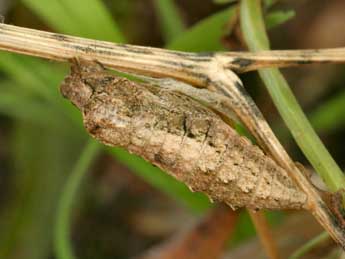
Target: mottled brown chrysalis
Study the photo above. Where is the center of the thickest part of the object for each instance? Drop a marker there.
(181, 136)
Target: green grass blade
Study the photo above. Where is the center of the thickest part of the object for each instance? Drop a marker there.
(169, 19)
(286, 103)
(205, 35)
(62, 230)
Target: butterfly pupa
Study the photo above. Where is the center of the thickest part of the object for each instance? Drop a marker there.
(181, 136)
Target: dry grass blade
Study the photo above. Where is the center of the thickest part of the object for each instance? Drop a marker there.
(248, 61)
(141, 60)
(188, 67)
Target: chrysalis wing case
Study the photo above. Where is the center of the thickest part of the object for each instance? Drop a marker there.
(181, 136)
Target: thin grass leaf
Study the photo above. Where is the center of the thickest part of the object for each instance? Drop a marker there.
(213, 27)
(255, 35)
(62, 231)
(170, 19)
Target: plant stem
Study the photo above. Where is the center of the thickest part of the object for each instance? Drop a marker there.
(286, 103)
(153, 61)
(62, 243)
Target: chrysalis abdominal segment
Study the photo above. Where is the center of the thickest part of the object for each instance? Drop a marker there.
(181, 136)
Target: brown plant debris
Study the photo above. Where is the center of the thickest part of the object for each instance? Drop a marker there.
(205, 239)
(180, 136)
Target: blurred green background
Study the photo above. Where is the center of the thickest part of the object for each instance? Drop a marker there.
(54, 178)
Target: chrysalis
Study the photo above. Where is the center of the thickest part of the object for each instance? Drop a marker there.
(181, 136)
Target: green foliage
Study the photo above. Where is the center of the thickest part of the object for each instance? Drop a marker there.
(276, 18)
(48, 142)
